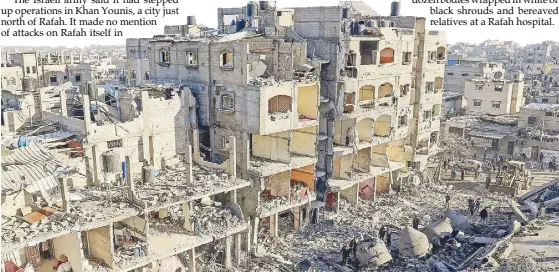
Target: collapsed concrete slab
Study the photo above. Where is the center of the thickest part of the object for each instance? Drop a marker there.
(435, 229)
(514, 205)
(373, 252)
(412, 243)
(457, 220)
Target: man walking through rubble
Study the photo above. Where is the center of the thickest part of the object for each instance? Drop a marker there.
(471, 206)
(447, 201)
(478, 204)
(345, 255)
(483, 214)
(382, 233)
(415, 222)
(353, 245)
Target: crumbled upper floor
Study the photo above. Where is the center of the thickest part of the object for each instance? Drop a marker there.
(171, 186)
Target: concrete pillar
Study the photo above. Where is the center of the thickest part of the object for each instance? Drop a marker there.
(297, 215)
(247, 239)
(255, 232)
(245, 159)
(87, 114)
(232, 156)
(237, 249)
(233, 196)
(227, 261)
(65, 194)
(63, 105)
(191, 260)
(274, 225)
(196, 144)
(189, 164)
(95, 163)
(129, 179)
(146, 148)
(186, 213)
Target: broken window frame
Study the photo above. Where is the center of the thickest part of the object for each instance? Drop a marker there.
(223, 56)
(368, 51)
(224, 142)
(78, 77)
(227, 102)
(192, 59)
(406, 58)
(477, 103)
(496, 104)
(402, 121)
(133, 74)
(479, 87)
(404, 90)
(115, 143)
(430, 87)
(499, 88)
(351, 59)
(165, 56)
(51, 79)
(532, 120)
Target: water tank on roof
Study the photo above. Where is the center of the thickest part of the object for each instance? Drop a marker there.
(91, 90)
(27, 84)
(111, 162)
(191, 20)
(395, 8)
(249, 9)
(240, 25)
(345, 13)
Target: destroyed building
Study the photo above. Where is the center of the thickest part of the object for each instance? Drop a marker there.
(285, 111)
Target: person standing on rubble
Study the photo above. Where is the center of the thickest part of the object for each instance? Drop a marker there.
(447, 201)
(471, 206)
(478, 204)
(345, 254)
(453, 174)
(382, 233)
(415, 222)
(483, 214)
(353, 244)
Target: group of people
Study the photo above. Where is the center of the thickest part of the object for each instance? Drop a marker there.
(346, 250)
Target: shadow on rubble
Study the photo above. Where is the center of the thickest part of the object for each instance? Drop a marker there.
(540, 243)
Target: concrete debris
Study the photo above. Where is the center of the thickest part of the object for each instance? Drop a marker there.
(436, 229)
(458, 221)
(522, 264)
(374, 252)
(412, 243)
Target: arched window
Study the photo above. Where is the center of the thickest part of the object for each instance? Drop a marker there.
(387, 55)
(279, 104)
(366, 93)
(385, 90)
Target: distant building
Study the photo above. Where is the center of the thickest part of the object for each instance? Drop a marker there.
(493, 96)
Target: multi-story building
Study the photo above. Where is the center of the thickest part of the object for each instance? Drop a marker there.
(285, 112)
(460, 69)
(137, 63)
(535, 58)
(496, 97)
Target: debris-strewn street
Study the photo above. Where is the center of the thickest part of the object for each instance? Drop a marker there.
(320, 244)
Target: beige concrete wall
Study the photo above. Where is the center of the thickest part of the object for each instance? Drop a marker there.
(304, 141)
(69, 245)
(342, 166)
(307, 101)
(100, 244)
(274, 147)
(487, 95)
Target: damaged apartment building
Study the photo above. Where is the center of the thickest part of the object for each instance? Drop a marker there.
(284, 112)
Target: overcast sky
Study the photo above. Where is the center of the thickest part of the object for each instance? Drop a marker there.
(206, 13)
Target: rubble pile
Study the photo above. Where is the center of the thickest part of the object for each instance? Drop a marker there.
(321, 243)
(521, 264)
(127, 254)
(112, 205)
(16, 229)
(171, 184)
(269, 204)
(214, 221)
